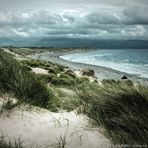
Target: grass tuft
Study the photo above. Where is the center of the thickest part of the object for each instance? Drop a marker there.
(120, 108)
(9, 144)
(16, 78)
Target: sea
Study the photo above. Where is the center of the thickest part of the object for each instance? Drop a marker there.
(132, 61)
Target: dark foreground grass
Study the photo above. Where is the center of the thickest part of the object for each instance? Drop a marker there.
(9, 144)
(16, 78)
(120, 108)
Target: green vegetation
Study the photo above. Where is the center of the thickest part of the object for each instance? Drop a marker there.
(67, 99)
(9, 144)
(38, 89)
(120, 108)
(7, 106)
(16, 78)
(54, 80)
(62, 81)
(25, 51)
(53, 68)
(35, 63)
(58, 75)
(45, 78)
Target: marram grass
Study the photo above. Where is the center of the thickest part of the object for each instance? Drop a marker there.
(16, 78)
(120, 108)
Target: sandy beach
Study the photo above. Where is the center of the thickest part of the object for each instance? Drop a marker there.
(100, 72)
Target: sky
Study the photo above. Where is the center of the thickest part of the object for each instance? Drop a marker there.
(91, 19)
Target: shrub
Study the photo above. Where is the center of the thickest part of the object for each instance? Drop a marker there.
(119, 108)
(70, 73)
(112, 82)
(60, 67)
(52, 70)
(62, 81)
(63, 75)
(15, 77)
(82, 80)
(32, 63)
(46, 78)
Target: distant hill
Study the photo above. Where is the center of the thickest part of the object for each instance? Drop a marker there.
(6, 41)
(75, 43)
(91, 43)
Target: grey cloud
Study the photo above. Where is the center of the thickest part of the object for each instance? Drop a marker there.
(129, 16)
(136, 15)
(103, 18)
(34, 4)
(97, 19)
(41, 17)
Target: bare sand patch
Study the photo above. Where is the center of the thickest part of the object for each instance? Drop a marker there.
(38, 70)
(47, 128)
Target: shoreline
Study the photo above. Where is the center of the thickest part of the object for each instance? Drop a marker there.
(100, 71)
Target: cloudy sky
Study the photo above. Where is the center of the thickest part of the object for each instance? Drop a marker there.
(99, 19)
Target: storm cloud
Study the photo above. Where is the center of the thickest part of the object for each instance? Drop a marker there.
(74, 19)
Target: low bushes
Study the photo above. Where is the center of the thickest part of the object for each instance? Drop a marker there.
(62, 81)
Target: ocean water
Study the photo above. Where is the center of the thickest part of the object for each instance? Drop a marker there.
(133, 61)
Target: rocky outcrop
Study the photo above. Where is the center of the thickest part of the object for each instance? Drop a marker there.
(124, 77)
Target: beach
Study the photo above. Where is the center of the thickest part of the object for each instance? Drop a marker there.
(73, 74)
(64, 101)
(100, 71)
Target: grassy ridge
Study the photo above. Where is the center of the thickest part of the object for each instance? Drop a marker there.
(120, 108)
(16, 78)
(57, 75)
(25, 51)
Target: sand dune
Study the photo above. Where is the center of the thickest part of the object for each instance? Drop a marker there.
(53, 129)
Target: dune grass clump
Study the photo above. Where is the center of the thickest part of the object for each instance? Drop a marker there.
(45, 78)
(16, 78)
(7, 106)
(25, 51)
(62, 81)
(34, 63)
(55, 80)
(9, 144)
(120, 108)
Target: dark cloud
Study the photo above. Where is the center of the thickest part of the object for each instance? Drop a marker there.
(103, 18)
(136, 15)
(86, 19)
